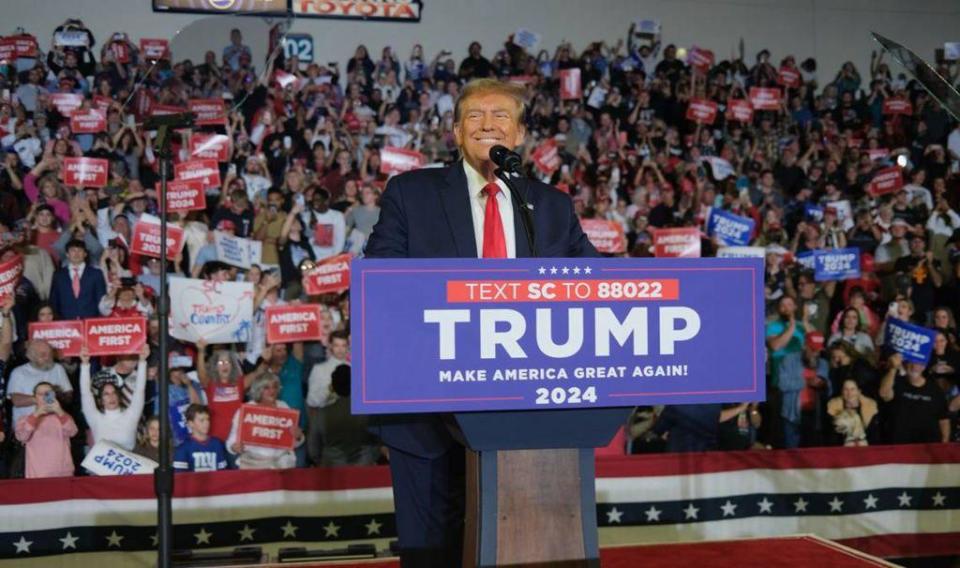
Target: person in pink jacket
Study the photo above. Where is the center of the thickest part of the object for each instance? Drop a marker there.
(46, 434)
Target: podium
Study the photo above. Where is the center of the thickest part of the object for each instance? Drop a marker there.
(530, 486)
(536, 363)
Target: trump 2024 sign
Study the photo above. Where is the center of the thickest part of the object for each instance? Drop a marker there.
(444, 335)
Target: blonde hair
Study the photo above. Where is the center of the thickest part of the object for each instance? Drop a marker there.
(479, 87)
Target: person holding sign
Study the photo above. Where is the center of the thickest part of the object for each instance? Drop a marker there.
(107, 414)
(264, 391)
(460, 211)
(919, 407)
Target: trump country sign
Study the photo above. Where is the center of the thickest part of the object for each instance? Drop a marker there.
(441, 335)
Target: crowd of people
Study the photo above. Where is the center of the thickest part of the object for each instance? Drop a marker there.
(304, 176)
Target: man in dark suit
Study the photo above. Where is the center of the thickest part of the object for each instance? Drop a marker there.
(77, 288)
(459, 211)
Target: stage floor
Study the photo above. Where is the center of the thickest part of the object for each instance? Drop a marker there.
(786, 552)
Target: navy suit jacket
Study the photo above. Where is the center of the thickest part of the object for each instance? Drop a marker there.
(92, 289)
(426, 214)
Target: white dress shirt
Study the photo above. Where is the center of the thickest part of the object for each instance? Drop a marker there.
(478, 209)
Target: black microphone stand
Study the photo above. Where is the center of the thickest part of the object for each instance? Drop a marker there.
(163, 475)
(526, 210)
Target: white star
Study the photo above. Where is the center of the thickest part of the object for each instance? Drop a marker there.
(587, 270)
(373, 527)
(203, 537)
(653, 514)
(246, 533)
(691, 512)
(576, 270)
(870, 502)
(566, 270)
(766, 506)
(904, 499)
(23, 545)
(836, 505)
(114, 539)
(729, 509)
(553, 270)
(542, 270)
(69, 541)
(289, 530)
(155, 539)
(613, 515)
(800, 506)
(939, 499)
(331, 530)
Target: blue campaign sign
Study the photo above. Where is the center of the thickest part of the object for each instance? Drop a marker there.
(730, 229)
(914, 342)
(813, 212)
(806, 259)
(442, 335)
(836, 264)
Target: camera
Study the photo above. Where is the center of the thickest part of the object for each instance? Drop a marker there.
(128, 282)
(49, 397)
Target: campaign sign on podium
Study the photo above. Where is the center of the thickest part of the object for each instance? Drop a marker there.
(461, 335)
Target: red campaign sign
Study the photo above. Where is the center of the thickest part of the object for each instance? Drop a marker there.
(114, 336)
(702, 111)
(210, 112)
(398, 160)
(677, 243)
(267, 426)
(146, 239)
(88, 122)
(897, 106)
(606, 236)
(878, 153)
(163, 110)
(8, 50)
(210, 147)
(154, 49)
(185, 195)
(85, 172)
(64, 336)
(206, 171)
(330, 275)
(10, 272)
(66, 103)
(546, 157)
(102, 103)
(739, 110)
(292, 323)
(887, 180)
(121, 51)
(570, 85)
(25, 45)
(765, 98)
(700, 59)
(789, 77)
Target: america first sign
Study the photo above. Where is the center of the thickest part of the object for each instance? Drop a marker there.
(472, 335)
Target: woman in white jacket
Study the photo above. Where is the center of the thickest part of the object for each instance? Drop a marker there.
(263, 392)
(107, 415)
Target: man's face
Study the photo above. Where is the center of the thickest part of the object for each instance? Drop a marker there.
(339, 348)
(275, 200)
(41, 356)
(76, 255)
(487, 120)
(200, 424)
(320, 202)
(917, 246)
(786, 308)
(279, 352)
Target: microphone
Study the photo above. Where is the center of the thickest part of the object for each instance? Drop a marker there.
(505, 159)
(179, 120)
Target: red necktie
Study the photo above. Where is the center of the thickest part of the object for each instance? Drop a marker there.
(494, 243)
(76, 282)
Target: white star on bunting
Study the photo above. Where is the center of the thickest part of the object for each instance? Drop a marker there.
(904, 499)
(114, 539)
(23, 545)
(542, 270)
(939, 499)
(870, 502)
(289, 530)
(800, 505)
(766, 506)
(373, 527)
(653, 514)
(553, 270)
(691, 512)
(576, 270)
(203, 537)
(729, 509)
(613, 515)
(246, 533)
(836, 505)
(587, 270)
(331, 530)
(69, 541)
(566, 270)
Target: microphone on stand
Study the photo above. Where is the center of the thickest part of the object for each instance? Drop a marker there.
(506, 159)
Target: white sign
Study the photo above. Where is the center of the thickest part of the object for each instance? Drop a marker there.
(71, 38)
(237, 251)
(220, 312)
(648, 27)
(107, 458)
(526, 38)
(951, 50)
(742, 252)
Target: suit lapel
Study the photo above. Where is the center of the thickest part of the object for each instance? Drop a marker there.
(523, 249)
(456, 206)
